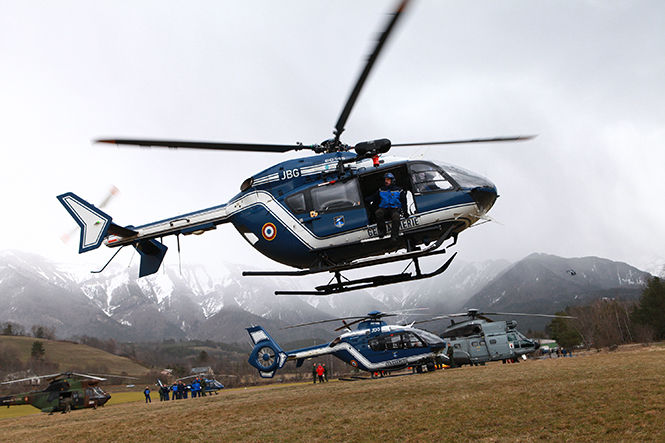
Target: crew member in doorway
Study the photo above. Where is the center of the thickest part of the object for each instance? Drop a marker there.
(391, 204)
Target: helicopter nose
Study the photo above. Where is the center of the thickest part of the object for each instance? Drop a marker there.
(484, 196)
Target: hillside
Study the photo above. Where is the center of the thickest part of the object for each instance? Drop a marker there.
(74, 357)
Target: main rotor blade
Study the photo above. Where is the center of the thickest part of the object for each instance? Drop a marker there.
(111, 375)
(206, 145)
(339, 127)
(521, 314)
(29, 378)
(471, 140)
(324, 321)
(88, 376)
(348, 325)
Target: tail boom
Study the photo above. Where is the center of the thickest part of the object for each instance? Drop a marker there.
(97, 228)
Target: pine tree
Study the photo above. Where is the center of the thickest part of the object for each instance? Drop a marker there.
(651, 309)
(37, 351)
(563, 332)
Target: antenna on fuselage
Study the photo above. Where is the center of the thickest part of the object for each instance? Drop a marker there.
(177, 238)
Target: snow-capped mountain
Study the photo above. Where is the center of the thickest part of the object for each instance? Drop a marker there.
(217, 304)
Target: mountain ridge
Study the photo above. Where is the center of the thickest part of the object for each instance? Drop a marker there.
(193, 304)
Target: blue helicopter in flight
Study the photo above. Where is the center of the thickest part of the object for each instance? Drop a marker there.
(374, 346)
(312, 213)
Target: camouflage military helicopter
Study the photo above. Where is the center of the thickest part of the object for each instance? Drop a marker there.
(479, 339)
(66, 391)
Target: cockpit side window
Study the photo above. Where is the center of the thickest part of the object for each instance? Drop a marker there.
(428, 178)
(336, 196)
(410, 340)
(297, 203)
(377, 344)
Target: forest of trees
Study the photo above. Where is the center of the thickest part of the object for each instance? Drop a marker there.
(608, 322)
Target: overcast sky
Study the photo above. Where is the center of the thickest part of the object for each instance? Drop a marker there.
(587, 76)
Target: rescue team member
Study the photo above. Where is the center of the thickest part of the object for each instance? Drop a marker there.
(449, 354)
(319, 372)
(391, 203)
(146, 392)
(314, 373)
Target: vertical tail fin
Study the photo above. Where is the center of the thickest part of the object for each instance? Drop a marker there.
(152, 254)
(266, 356)
(94, 223)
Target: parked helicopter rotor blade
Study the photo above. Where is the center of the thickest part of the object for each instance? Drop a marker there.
(88, 376)
(348, 325)
(324, 321)
(339, 126)
(358, 318)
(114, 376)
(522, 314)
(471, 140)
(30, 378)
(179, 144)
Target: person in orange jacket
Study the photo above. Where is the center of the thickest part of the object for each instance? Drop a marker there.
(319, 372)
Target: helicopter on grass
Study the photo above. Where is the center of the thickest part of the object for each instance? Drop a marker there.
(210, 386)
(311, 213)
(374, 346)
(478, 339)
(65, 391)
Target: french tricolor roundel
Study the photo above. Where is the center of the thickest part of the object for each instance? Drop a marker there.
(269, 231)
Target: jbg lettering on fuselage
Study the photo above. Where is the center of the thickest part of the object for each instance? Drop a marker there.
(406, 223)
(289, 174)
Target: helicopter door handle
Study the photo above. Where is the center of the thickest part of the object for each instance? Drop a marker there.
(173, 222)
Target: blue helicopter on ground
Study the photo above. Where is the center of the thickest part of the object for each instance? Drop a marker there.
(311, 213)
(373, 346)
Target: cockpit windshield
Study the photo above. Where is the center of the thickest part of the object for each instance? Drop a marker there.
(429, 337)
(464, 178)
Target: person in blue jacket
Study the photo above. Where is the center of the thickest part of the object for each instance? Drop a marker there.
(196, 388)
(391, 202)
(146, 392)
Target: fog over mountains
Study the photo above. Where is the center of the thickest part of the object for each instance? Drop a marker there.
(198, 304)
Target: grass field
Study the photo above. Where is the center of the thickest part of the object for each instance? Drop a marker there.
(67, 354)
(598, 396)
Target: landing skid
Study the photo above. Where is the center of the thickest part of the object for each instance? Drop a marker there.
(345, 285)
(342, 284)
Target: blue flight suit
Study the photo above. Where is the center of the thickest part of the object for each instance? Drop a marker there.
(391, 202)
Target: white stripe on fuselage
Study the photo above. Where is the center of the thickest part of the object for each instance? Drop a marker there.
(222, 214)
(360, 358)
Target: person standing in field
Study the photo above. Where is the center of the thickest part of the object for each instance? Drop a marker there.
(319, 372)
(449, 353)
(325, 372)
(146, 392)
(314, 373)
(202, 392)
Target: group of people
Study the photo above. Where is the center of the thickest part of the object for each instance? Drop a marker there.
(179, 390)
(559, 352)
(320, 372)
